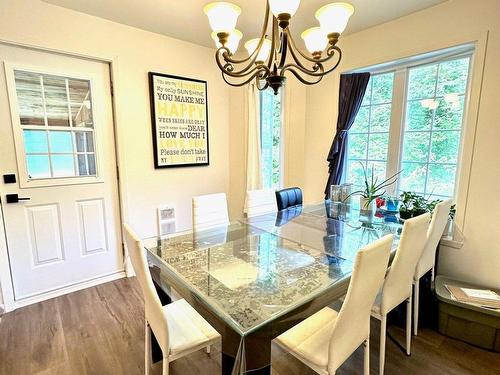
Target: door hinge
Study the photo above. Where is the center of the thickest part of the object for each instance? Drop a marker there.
(112, 89)
(117, 172)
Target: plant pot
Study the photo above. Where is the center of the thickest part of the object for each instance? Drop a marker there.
(366, 205)
(405, 214)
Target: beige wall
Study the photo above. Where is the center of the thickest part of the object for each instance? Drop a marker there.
(135, 53)
(437, 27)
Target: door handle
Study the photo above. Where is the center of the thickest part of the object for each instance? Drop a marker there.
(14, 198)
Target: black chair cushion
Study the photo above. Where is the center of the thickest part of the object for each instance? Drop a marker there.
(289, 197)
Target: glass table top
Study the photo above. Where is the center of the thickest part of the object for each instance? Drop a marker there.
(252, 271)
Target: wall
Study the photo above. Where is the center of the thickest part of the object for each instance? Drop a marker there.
(135, 52)
(436, 27)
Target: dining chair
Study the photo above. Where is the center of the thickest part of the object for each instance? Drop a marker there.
(428, 258)
(210, 211)
(289, 197)
(260, 202)
(326, 339)
(397, 285)
(178, 328)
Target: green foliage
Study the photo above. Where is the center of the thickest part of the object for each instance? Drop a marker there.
(372, 188)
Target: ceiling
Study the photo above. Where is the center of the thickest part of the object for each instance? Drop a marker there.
(185, 19)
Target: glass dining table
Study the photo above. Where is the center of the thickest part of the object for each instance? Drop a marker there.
(256, 278)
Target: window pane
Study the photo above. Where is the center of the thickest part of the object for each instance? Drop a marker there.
(413, 177)
(60, 142)
(29, 98)
(441, 179)
(81, 107)
(80, 141)
(378, 169)
(38, 166)
(56, 100)
(445, 146)
(35, 141)
(382, 88)
(355, 173)
(417, 116)
(82, 165)
(380, 118)
(361, 122)
(357, 146)
(416, 146)
(270, 116)
(90, 141)
(368, 94)
(62, 165)
(422, 82)
(453, 76)
(378, 146)
(91, 162)
(449, 113)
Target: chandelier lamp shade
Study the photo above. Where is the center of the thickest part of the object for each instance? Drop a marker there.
(271, 57)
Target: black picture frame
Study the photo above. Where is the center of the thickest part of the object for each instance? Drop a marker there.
(157, 165)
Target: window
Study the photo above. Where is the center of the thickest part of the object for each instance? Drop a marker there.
(57, 126)
(270, 136)
(424, 121)
(432, 131)
(368, 140)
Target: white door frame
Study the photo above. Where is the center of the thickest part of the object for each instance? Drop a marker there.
(6, 286)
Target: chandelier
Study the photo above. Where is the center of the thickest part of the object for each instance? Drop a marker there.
(268, 58)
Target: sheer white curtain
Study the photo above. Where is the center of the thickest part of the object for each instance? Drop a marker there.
(252, 115)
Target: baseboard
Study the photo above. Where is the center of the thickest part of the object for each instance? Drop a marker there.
(69, 289)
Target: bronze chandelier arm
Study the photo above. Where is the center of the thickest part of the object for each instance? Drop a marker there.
(319, 71)
(302, 67)
(225, 67)
(261, 73)
(291, 69)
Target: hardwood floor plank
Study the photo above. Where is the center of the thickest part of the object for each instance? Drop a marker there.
(100, 330)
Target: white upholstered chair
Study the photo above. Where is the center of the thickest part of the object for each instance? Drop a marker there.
(326, 339)
(210, 211)
(260, 202)
(178, 328)
(398, 282)
(428, 258)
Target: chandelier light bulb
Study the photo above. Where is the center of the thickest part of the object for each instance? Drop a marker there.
(284, 7)
(264, 52)
(222, 16)
(315, 40)
(233, 41)
(333, 17)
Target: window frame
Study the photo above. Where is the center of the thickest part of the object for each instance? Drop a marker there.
(17, 129)
(399, 111)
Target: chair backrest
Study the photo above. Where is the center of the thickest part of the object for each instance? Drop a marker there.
(152, 305)
(289, 197)
(398, 281)
(210, 211)
(260, 202)
(436, 228)
(352, 326)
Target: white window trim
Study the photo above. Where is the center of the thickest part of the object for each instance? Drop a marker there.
(17, 129)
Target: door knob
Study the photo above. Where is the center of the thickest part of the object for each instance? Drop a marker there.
(14, 198)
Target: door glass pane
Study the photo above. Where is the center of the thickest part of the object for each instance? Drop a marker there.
(38, 166)
(35, 141)
(29, 98)
(60, 142)
(82, 165)
(80, 141)
(62, 165)
(90, 141)
(91, 163)
(56, 100)
(81, 107)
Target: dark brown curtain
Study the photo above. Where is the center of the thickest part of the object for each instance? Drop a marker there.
(352, 91)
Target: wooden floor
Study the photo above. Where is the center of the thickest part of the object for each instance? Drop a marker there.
(100, 330)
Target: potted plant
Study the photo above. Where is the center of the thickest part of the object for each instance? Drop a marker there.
(372, 189)
(406, 208)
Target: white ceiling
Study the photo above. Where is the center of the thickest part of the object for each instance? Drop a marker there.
(185, 19)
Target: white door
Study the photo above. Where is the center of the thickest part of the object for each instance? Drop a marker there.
(57, 139)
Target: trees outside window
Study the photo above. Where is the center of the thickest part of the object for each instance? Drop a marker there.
(270, 133)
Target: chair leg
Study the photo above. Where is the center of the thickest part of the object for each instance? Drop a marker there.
(408, 325)
(415, 308)
(367, 357)
(165, 366)
(383, 332)
(147, 349)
